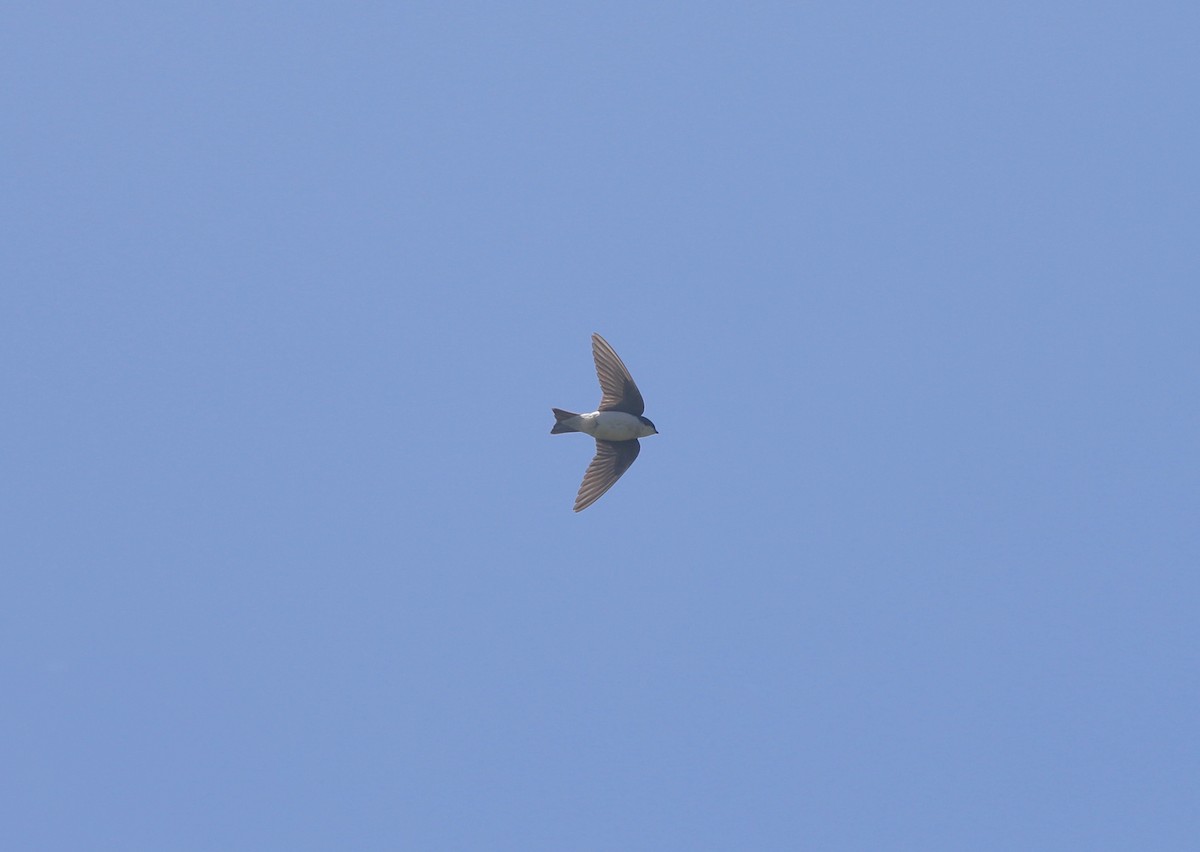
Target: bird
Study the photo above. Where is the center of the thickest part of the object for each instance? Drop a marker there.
(616, 424)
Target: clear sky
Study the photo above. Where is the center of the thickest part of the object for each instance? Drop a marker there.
(913, 295)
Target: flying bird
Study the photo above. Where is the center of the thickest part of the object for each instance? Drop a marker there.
(616, 425)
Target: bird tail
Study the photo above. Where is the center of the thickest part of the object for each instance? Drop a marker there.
(559, 417)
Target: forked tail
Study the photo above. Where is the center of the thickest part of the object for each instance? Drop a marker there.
(559, 417)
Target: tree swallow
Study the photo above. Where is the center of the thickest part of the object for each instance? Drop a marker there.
(616, 425)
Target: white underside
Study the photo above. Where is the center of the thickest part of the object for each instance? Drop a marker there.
(611, 426)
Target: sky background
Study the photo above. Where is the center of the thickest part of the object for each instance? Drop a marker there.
(912, 292)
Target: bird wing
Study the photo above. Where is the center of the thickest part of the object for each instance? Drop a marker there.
(619, 391)
(612, 459)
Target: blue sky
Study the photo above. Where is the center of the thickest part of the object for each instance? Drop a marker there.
(289, 557)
